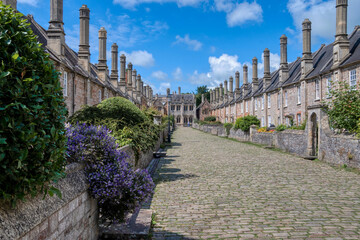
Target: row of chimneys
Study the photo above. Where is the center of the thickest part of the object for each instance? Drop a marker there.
(56, 42)
(340, 51)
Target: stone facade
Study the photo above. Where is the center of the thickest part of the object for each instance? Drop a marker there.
(85, 83)
(203, 110)
(294, 92)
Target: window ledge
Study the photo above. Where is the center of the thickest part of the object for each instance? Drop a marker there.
(317, 100)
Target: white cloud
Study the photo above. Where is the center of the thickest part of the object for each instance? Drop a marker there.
(244, 12)
(290, 30)
(159, 75)
(192, 44)
(177, 74)
(322, 14)
(29, 2)
(140, 58)
(223, 67)
(131, 4)
(162, 88)
(212, 49)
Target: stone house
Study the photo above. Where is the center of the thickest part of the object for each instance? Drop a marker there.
(203, 110)
(85, 83)
(293, 93)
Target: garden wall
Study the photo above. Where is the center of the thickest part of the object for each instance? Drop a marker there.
(72, 217)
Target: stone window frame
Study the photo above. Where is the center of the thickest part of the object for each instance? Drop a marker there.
(262, 121)
(242, 107)
(328, 86)
(299, 94)
(178, 119)
(65, 84)
(256, 100)
(246, 106)
(185, 108)
(100, 95)
(178, 107)
(352, 78)
(317, 89)
(172, 107)
(298, 119)
(190, 119)
(191, 108)
(185, 120)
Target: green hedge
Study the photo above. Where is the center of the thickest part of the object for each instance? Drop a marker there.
(244, 123)
(32, 112)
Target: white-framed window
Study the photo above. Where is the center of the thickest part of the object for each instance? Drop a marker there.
(328, 86)
(298, 118)
(65, 84)
(256, 104)
(242, 107)
(269, 101)
(299, 94)
(106, 93)
(269, 120)
(246, 107)
(286, 99)
(262, 102)
(352, 77)
(317, 89)
(278, 100)
(100, 97)
(172, 107)
(262, 122)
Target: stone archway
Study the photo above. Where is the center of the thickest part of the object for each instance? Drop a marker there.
(314, 135)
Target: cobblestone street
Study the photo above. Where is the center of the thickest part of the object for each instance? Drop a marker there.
(214, 188)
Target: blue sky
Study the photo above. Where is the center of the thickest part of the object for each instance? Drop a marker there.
(189, 43)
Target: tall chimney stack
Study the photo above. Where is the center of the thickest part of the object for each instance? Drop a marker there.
(134, 82)
(102, 66)
(267, 76)
(122, 83)
(129, 76)
(217, 94)
(12, 3)
(179, 90)
(114, 65)
(307, 60)
(246, 80)
(255, 79)
(237, 84)
(202, 98)
(284, 67)
(211, 96)
(231, 85)
(226, 89)
(168, 91)
(55, 32)
(138, 89)
(84, 47)
(221, 94)
(341, 45)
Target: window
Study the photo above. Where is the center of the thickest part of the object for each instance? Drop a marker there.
(185, 108)
(178, 108)
(298, 119)
(256, 104)
(185, 120)
(100, 96)
(278, 100)
(242, 107)
(246, 107)
(178, 120)
(191, 108)
(262, 102)
(299, 94)
(190, 119)
(159, 109)
(65, 84)
(269, 121)
(262, 122)
(317, 89)
(328, 87)
(353, 78)
(287, 120)
(106, 94)
(269, 101)
(172, 107)
(286, 99)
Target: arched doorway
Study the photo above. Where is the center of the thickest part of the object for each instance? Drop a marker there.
(314, 134)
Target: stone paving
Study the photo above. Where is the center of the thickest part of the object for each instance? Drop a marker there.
(214, 188)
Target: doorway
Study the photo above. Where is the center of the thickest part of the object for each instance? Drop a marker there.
(314, 133)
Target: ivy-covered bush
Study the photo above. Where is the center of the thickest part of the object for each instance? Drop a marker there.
(118, 188)
(210, 119)
(344, 108)
(244, 123)
(32, 112)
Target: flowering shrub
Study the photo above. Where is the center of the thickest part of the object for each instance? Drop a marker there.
(264, 130)
(117, 187)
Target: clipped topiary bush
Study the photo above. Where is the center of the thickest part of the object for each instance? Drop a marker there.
(32, 112)
(118, 188)
(244, 123)
(210, 119)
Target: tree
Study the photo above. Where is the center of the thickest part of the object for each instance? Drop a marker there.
(202, 90)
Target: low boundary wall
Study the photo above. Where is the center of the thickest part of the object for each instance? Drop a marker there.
(336, 149)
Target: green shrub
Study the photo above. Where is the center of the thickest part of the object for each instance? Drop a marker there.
(210, 119)
(32, 112)
(228, 127)
(281, 128)
(244, 123)
(344, 108)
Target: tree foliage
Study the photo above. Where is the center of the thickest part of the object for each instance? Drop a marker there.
(32, 112)
(202, 90)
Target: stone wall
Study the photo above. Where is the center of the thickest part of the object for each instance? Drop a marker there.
(75, 216)
(293, 141)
